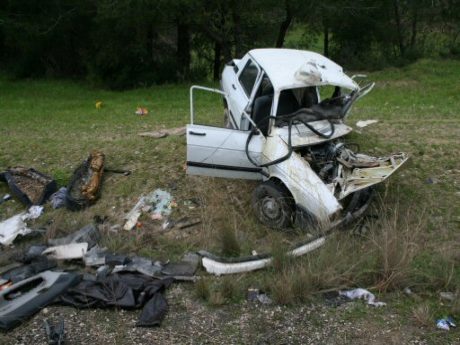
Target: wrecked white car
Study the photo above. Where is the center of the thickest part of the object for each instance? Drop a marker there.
(279, 130)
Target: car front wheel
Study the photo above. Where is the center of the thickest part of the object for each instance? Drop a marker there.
(273, 205)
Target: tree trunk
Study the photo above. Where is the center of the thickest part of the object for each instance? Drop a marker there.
(326, 40)
(284, 26)
(414, 25)
(183, 50)
(216, 66)
(398, 27)
(237, 29)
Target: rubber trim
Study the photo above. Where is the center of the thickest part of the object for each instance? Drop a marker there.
(222, 167)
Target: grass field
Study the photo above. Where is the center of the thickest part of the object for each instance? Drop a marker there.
(412, 240)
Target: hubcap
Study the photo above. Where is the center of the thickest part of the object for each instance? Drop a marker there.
(271, 208)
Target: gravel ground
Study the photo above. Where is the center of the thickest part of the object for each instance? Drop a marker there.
(192, 322)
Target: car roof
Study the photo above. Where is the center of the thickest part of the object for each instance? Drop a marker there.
(292, 68)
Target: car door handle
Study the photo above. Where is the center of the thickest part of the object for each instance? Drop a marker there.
(197, 133)
(234, 87)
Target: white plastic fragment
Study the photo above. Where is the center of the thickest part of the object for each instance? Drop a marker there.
(364, 294)
(134, 214)
(365, 123)
(13, 227)
(67, 251)
(218, 268)
(34, 212)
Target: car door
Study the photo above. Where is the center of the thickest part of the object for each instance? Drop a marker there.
(241, 89)
(220, 152)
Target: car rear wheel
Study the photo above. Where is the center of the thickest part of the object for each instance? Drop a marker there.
(273, 205)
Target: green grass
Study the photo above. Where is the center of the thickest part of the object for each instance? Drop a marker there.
(52, 126)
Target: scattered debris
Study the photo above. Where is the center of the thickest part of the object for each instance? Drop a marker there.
(34, 252)
(55, 334)
(185, 268)
(34, 212)
(446, 323)
(159, 203)
(23, 299)
(163, 133)
(15, 225)
(67, 251)
(365, 123)
(182, 223)
(255, 295)
(141, 265)
(448, 296)
(408, 291)
(6, 197)
(141, 111)
(334, 299)
(30, 186)
(127, 290)
(364, 294)
(89, 234)
(84, 187)
(58, 199)
(432, 180)
(95, 256)
(17, 274)
(218, 265)
(192, 203)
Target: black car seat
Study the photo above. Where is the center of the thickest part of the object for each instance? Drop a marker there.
(287, 103)
(261, 112)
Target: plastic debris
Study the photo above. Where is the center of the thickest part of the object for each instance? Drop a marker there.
(255, 295)
(34, 212)
(182, 223)
(141, 111)
(448, 296)
(28, 185)
(159, 203)
(6, 197)
(364, 294)
(446, 323)
(163, 202)
(17, 274)
(192, 203)
(365, 123)
(333, 299)
(68, 251)
(55, 334)
(141, 265)
(15, 226)
(28, 296)
(182, 268)
(89, 234)
(58, 199)
(32, 253)
(133, 215)
(95, 256)
(163, 133)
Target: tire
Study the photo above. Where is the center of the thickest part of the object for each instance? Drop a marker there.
(273, 205)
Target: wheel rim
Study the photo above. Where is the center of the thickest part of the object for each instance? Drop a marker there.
(271, 209)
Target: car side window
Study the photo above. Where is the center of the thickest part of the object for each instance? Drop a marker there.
(248, 77)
